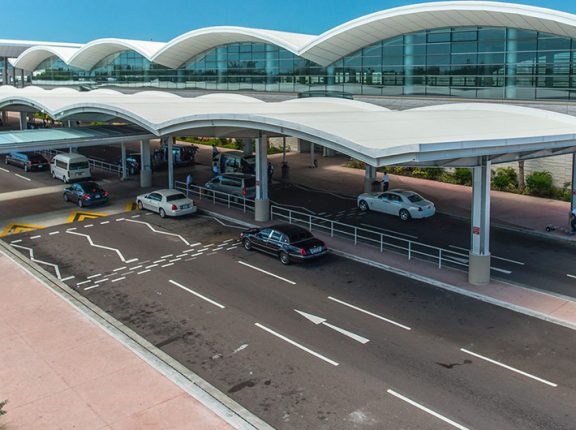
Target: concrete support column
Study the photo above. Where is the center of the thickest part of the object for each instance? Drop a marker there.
(22, 78)
(247, 146)
(5, 72)
(124, 168)
(511, 60)
(262, 203)
(169, 144)
(369, 178)
(145, 167)
(408, 64)
(23, 121)
(330, 76)
(312, 155)
(573, 199)
(479, 265)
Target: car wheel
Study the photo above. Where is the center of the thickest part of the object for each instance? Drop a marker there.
(80, 203)
(65, 179)
(284, 258)
(140, 205)
(66, 198)
(404, 215)
(26, 168)
(162, 213)
(247, 244)
(363, 206)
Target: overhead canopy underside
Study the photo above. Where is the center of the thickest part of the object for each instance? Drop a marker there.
(454, 135)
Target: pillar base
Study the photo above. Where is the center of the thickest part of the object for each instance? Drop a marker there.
(262, 210)
(145, 178)
(479, 269)
(368, 185)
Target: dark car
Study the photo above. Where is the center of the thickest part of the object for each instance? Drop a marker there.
(288, 242)
(85, 194)
(27, 161)
(132, 164)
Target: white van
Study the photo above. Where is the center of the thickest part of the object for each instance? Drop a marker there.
(69, 167)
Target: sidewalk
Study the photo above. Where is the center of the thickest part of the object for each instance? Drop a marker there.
(63, 365)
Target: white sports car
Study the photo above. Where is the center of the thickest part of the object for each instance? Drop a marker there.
(166, 203)
(402, 203)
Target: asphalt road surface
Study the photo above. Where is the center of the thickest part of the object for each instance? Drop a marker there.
(328, 345)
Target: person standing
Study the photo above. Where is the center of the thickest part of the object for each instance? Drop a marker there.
(385, 182)
(214, 151)
(270, 171)
(573, 220)
(215, 169)
(188, 181)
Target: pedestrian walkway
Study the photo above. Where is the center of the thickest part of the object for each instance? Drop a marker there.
(64, 366)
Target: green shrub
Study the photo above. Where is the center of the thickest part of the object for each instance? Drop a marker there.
(505, 179)
(540, 184)
(355, 164)
(463, 176)
(564, 193)
(2, 404)
(427, 172)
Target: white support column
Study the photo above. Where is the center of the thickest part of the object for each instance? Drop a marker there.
(169, 143)
(5, 72)
(262, 203)
(145, 167)
(573, 199)
(124, 168)
(247, 146)
(369, 178)
(312, 155)
(283, 149)
(479, 263)
(23, 121)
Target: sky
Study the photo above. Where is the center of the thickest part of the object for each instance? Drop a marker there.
(162, 20)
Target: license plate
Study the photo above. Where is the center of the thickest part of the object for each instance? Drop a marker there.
(184, 206)
(315, 250)
(97, 196)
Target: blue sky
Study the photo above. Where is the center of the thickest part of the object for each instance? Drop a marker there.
(161, 20)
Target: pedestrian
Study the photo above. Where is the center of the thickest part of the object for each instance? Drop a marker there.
(573, 220)
(385, 182)
(188, 181)
(215, 169)
(214, 151)
(270, 171)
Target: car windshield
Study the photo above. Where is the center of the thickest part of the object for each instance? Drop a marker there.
(173, 197)
(299, 236)
(415, 198)
(79, 165)
(90, 187)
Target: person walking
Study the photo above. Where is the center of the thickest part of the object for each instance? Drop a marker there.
(270, 171)
(215, 169)
(189, 180)
(385, 182)
(573, 220)
(214, 151)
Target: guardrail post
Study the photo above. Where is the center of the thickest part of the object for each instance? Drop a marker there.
(331, 228)
(310, 222)
(289, 216)
(355, 235)
(228, 201)
(382, 244)
(409, 250)
(213, 197)
(440, 258)
(244, 204)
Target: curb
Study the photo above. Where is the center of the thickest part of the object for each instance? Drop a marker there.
(212, 398)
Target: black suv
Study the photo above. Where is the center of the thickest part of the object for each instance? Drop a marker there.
(286, 241)
(27, 161)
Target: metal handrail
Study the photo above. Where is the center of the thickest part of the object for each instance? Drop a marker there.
(216, 197)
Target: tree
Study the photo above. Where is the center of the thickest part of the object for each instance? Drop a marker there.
(521, 177)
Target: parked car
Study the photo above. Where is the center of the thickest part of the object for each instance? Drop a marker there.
(27, 161)
(235, 162)
(132, 163)
(71, 166)
(166, 203)
(290, 243)
(85, 194)
(402, 203)
(237, 184)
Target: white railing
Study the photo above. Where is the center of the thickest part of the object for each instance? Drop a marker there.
(216, 197)
(410, 248)
(94, 164)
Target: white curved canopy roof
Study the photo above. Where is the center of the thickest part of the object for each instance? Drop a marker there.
(455, 135)
(327, 47)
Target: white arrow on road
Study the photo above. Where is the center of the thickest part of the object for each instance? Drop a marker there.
(318, 320)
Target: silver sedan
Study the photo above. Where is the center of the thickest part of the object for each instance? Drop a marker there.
(166, 203)
(402, 203)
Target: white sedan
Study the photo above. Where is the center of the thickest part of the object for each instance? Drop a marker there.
(402, 203)
(166, 203)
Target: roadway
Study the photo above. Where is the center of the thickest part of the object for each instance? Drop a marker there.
(328, 345)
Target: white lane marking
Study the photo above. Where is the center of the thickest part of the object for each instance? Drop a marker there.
(160, 232)
(82, 283)
(389, 231)
(105, 222)
(120, 219)
(218, 248)
(267, 273)
(369, 313)
(15, 241)
(166, 265)
(493, 256)
(159, 261)
(72, 229)
(53, 233)
(36, 237)
(544, 381)
(167, 256)
(296, 344)
(143, 271)
(570, 276)
(181, 255)
(231, 248)
(210, 244)
(176, 259)
(197, 294)
(126, 273)
(89, 288)
(31, 252)
(194, 244)
(101, 280)
(190, 259)
(496, 269)
(429, 411)
(132, 260)
(4, 170)
(211, 253)
(93, 276)
(119, 268)
(151, 266)
(23, 177)
(227, 240)
(319, 320)
(101, 246)
(118, 279)
(197, 254)
(240, 348)
(203, 249)
(136, 267)
(135, 216)
(89, 225)
(67, 278)
(188, 250)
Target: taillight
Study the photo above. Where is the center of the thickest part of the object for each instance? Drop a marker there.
(244, 192)
(174, 207)
(106, 194)
(86, 197)
(302, 251)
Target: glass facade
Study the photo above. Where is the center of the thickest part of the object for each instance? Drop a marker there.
(466, 62)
